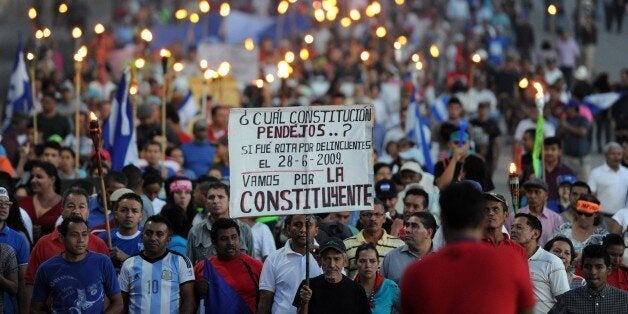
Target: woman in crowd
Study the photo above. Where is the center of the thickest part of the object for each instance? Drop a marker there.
(382, 293)
(18, 219)
(563, 248)
(179, 211)
(587, 228)
(44, 204)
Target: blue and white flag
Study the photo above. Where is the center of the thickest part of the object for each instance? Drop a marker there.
(602, 101)
(439, 108)
(419, 133)
(19, 98)
(188, 110)
(119, 137)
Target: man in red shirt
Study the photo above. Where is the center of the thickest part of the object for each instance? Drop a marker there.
(496, 215)
(229, 281)
(466, 275)
(74, 204)
(618, 277)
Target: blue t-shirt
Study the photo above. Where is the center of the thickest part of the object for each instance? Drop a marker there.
(76, 286)
(17, 242)
(199, 156)
(131, 245)
(386, 298)
(177, 244)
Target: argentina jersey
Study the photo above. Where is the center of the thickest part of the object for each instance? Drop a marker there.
(153, 284)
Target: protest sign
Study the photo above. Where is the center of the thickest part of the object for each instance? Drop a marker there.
(300, 160)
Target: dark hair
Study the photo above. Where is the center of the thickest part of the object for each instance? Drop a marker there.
(50, 170)
(63, 228)
(613, 239)
(289, 218)
(548, 246)
(84, 184)
(418, 192)
(428, 221)
(116, 177)
(190, 211)
(222, 224)
(365, 247)
(66, 149)
(219, 185)
(531, 132)
(462, 206)
(74, 191)
(595, 251)
(180, 224)
(151, 178)
(377, 201)
(53, 145)
(134, 176)
(159, 219)
(454, 100)
(533, 222)
(149, 143)
(553, 140)
(475, 169)
(131, 196)
(581, 184)
(380, 165)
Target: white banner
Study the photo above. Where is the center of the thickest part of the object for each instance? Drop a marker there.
(300, 160)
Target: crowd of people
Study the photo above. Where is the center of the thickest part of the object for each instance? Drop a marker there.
(451, 82)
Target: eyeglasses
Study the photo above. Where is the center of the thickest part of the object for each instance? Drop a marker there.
(6, 204)
(579, 213)
(369, 215)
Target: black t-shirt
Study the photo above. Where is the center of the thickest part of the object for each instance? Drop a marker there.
(344, 297)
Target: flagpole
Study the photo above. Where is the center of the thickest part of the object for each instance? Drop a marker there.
(307, 250)
(31, 57)
(165, 58)
(77, 93)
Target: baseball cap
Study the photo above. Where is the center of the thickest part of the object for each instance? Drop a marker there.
(535, 183)
(565, 179)
(115, 196)
(332, 243)
(385, 189)
(495, 197)
(411, 166)
(455, 136)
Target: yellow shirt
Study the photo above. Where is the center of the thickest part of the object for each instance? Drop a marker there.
(384, 245)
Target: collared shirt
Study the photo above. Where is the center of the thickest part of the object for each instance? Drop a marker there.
(384, 245)
(549, 220)
(507, 244)
(396, 262)
(610, 186)
(200, 245)
(549, 279)
(50, 245)
(584, 300)
(282, 273)
(17, 242)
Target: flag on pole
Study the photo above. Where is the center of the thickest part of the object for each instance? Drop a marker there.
(19, 98)
(538, 145)
(418, 133)
(118, 136)
(188, 110)
(602, 101)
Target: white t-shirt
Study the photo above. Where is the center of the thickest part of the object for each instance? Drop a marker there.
(549, 279)
(263, 241)
(282, 274)
(610, 187)
(622, 218)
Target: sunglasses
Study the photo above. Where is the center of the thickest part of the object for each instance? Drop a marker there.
(579, 213)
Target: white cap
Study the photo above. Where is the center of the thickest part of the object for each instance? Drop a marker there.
(4, 192)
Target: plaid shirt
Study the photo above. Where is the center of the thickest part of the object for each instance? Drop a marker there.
(584, 300)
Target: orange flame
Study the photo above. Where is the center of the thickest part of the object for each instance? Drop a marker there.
(513, 168)
(539, 90)
(92, 116)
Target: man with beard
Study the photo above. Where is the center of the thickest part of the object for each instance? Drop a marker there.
(284, 269)
(229, 281)
(331, 292)
(157, 279)
(420, 230)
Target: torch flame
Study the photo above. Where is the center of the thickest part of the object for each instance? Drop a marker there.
(539, 90)
(92, 116)
(164, 53)
(513, 168)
